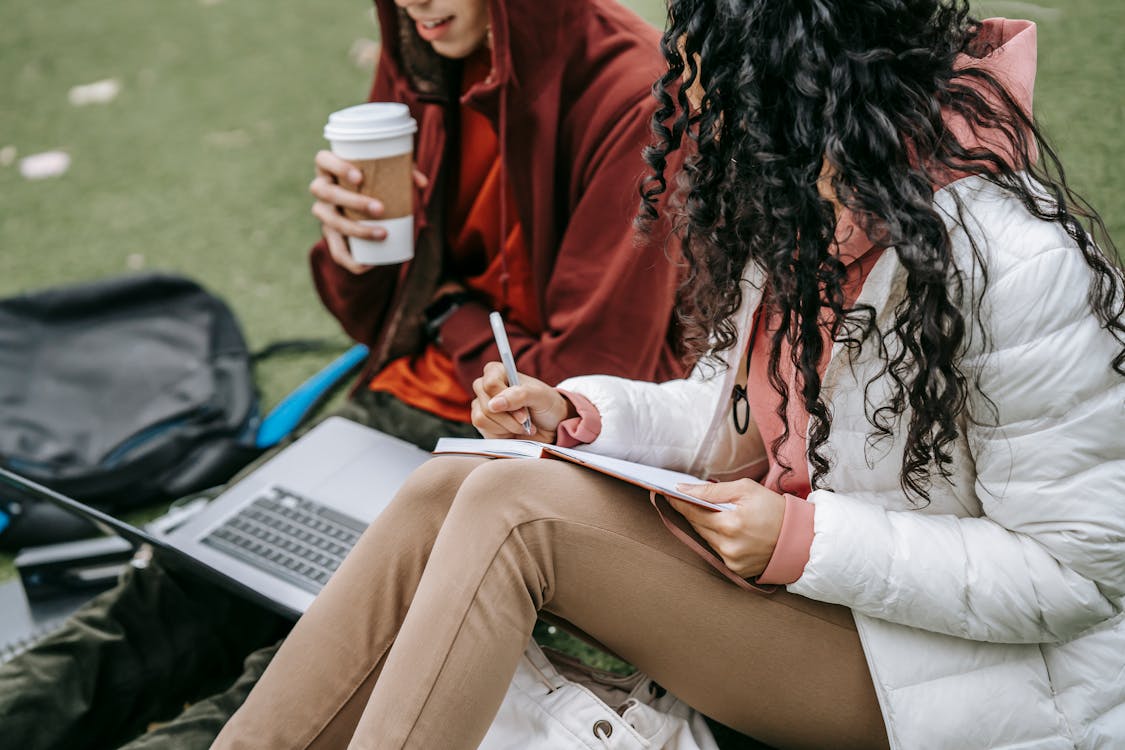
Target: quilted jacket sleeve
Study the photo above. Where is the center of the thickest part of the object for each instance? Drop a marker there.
(1047, 558)
(662, 424)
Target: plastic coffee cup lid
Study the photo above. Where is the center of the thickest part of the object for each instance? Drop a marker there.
(374, 121)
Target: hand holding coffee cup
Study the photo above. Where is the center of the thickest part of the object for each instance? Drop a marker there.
(364, 186)
(335, 187)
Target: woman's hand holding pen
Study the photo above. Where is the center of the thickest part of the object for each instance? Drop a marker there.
(500, 409)
(744, 536)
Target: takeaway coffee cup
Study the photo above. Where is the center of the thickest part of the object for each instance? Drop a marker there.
(379, 139)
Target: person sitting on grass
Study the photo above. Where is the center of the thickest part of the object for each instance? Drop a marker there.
(923, 346)
(531, 118)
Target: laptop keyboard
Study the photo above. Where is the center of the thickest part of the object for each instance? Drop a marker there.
(292, 537)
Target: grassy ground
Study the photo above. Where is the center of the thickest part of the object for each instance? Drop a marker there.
(200, 165)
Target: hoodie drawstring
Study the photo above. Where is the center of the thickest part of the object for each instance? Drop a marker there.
(504, 275)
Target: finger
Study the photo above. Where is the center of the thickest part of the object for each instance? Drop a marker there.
(421, 181)
(332, 219)
(338, 249)
(531, 394)
(516, 400)
(697, 514)
(715, 492)
(487, 424)
(495, 378)
(508, 421)
(342, 169)
(495, 382)
(716, 522)
(701, 519)
(328, 191)
(484, 424)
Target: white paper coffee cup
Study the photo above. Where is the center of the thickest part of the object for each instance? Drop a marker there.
(379, 139)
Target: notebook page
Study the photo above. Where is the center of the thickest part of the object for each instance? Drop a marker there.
(663, 481)
(495, 447)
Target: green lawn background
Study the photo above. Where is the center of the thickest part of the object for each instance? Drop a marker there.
(201, 165)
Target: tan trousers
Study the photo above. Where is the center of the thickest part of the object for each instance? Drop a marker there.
(413, 642)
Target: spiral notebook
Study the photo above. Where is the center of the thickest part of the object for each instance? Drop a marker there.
(662, 481)
(23, 624)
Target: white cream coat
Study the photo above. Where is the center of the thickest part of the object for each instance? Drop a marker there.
(991, 617)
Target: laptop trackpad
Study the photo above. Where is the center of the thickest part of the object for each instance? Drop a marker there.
(366, 484)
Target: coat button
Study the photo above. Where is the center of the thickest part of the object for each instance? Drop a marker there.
(602, 729)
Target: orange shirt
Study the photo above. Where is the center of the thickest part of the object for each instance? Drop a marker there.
(427, 381)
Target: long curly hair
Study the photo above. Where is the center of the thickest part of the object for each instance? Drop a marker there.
(861, 90)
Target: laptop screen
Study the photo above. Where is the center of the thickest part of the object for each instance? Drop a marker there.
(22, 488)
(14, 485)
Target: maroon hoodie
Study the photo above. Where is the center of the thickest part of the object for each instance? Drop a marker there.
(569, 98)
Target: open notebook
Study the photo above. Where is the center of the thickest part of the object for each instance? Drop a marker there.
(663, 481)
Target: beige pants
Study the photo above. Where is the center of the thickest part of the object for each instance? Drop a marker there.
(414, 640)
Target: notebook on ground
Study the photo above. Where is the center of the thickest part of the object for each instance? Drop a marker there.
(24, 623)
(278, 534)
(654, 478)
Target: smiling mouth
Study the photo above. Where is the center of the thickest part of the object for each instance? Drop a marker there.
(435, 23)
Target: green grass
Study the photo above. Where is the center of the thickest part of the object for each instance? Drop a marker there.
(200, 166)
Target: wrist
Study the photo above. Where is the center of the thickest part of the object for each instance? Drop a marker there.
(580, 422)
(793, 542)
(567, 409)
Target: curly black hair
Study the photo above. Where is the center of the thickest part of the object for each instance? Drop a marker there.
(860, 90)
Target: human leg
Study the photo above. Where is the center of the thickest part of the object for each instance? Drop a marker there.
(198, 726)
(525, 535)
(346, 628)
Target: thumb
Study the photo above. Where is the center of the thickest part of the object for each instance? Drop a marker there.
(712, 491)
(518, 397)
(537, 397)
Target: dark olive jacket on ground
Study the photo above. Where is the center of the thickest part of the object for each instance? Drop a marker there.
(569, 98)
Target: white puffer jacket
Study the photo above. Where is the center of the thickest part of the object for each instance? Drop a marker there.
(991, 617)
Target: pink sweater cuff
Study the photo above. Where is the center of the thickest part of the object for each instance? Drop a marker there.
(582, 429)
(791, 554)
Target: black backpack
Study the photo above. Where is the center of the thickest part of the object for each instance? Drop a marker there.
(121, 393)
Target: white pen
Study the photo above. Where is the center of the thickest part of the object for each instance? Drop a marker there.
(506, 357)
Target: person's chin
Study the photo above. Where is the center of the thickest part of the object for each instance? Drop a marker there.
(453, 49)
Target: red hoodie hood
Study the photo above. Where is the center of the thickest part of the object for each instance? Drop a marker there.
(524, 55)
(426, 73)
(543, 67)
(570, 99)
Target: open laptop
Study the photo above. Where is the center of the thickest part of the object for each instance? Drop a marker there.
(278, 534)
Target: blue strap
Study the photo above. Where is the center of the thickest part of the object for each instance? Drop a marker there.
(285, 417)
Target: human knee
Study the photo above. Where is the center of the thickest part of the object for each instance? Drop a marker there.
(510, 492)
(436, 482)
